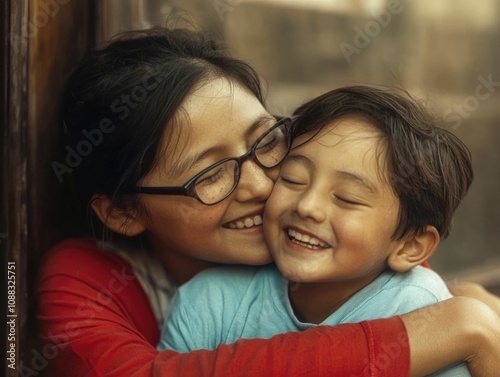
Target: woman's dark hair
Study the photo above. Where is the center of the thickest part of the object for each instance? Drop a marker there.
(120, 98)
(428, 167)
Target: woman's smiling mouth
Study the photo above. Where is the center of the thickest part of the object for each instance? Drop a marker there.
(247, 222)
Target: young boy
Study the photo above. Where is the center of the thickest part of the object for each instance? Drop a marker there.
(362, 200)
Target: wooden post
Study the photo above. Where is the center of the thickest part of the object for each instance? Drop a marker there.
(42, 41)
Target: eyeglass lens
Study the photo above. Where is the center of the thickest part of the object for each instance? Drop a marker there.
(220, 181)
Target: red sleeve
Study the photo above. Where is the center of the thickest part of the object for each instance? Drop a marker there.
(93, 309)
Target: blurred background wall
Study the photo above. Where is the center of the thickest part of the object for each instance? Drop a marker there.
(445, 52)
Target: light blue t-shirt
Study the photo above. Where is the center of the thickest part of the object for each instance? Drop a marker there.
(224, 304)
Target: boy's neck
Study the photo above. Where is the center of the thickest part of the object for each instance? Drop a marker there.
(315, 302)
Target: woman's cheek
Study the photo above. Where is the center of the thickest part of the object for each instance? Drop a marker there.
(273, 173)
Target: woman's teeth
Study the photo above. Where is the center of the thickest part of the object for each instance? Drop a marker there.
(305, 240)
(246, 223)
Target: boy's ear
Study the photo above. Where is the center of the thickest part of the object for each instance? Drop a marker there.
(118, 220)
(414, 250)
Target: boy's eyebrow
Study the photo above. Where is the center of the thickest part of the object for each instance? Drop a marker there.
(300, 158)
(343, 174)
(357, 179)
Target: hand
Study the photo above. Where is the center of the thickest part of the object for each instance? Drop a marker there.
(476, 291)
(485, 344)
(454, 330)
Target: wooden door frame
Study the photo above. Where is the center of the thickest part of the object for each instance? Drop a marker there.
(40, 45)
(14, 224)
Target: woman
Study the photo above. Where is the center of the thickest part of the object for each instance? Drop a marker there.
(153, 124)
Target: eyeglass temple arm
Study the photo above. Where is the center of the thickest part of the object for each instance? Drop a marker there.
(161, 190)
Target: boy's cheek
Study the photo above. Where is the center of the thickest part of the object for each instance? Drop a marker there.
(278, 197)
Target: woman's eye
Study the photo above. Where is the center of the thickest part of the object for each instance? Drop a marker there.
(268, 143)
(212, 177)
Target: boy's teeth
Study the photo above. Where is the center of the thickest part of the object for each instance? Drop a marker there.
(246, 223)
(306, 239)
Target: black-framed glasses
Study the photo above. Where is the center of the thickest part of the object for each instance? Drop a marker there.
(218, 181)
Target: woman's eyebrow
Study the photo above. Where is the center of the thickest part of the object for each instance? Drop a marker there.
(188, 162)
(258, 123)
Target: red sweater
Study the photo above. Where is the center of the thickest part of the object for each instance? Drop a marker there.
(92, 307)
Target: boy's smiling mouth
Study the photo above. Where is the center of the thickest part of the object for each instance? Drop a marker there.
(305, 240)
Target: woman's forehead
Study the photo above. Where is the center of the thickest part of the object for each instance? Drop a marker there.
(217, 120)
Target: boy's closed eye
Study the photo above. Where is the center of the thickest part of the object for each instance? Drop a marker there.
(292, 180)
(294, 173)
(346, 200)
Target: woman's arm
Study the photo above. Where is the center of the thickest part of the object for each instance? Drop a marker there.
(96, 314)
(343, 351)
(458, 329)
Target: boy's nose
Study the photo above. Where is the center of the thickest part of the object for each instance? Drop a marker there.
(311, 205)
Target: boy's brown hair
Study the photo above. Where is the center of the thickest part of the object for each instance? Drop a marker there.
(428, 167)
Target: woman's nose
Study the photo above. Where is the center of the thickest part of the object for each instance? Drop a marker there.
(255, 183)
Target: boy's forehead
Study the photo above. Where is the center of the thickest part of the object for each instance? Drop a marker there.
(347, 128)
(350, 136)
